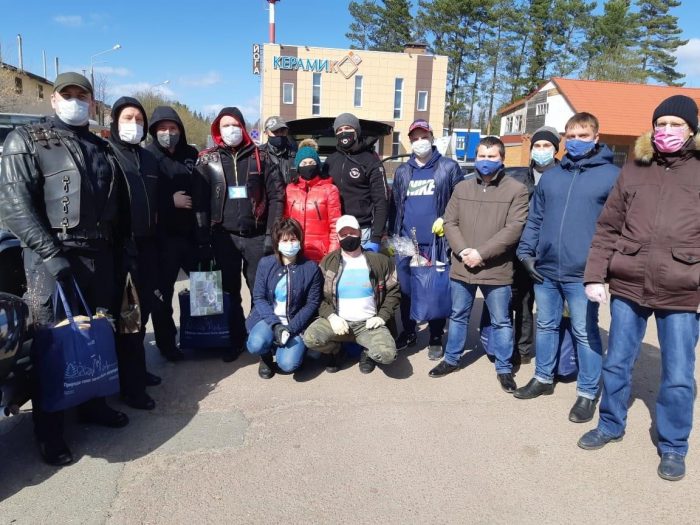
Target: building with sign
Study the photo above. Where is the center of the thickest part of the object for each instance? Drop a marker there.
(396, 88)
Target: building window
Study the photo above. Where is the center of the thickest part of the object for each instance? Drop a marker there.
(18, 85)
(358, 90)
(40, 91)
(518, 124)
(509, 124)
(422, 101)
(395, 144)
(541, 109)
(398, 97)
(287, 93)
(316, 95)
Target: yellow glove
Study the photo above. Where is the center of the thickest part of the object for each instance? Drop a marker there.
(439, 227)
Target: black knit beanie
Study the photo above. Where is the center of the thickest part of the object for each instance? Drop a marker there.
(678, 106)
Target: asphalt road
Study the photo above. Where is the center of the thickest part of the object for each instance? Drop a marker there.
(224, 446)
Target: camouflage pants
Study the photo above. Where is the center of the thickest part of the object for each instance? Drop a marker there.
(379, 343)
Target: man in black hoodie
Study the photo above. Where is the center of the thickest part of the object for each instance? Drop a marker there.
(237, 203)
(140, 169)
(359, 175)
(71, 228)
(279, 150)
(177, 246)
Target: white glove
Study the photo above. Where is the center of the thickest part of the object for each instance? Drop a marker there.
(338, 324)
(374, 322)
(596, 293)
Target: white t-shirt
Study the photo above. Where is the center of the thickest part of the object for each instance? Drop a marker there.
(355, 293)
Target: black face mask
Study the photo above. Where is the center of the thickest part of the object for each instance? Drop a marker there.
(278, 142)
(350, 244)
(307, 172)
(346, 139)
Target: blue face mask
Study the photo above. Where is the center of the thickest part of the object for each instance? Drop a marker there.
(289, 248)
(542, 157)
(579, 148)
(488, 167)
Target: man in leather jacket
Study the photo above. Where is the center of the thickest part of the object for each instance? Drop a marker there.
(236, 204)
(61, 194)
(279, 150)
(141, 175)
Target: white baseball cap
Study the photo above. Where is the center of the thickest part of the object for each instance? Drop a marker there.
(346, 221)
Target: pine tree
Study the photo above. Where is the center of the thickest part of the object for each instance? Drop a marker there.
(380, 27)
(660, 39)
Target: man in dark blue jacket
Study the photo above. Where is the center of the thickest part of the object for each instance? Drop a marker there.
(553, 249)
(421, 190)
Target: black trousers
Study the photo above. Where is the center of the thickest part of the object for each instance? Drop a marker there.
(522, 304)
(436, 326)
(93, 268)
(130, 350)
(175, 252)
(235, 253)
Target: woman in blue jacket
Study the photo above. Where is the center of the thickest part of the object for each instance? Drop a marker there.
(286, 297)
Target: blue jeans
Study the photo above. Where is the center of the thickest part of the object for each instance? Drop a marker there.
(497, 299)
(678, 335)
(583, 313)
(261, 341)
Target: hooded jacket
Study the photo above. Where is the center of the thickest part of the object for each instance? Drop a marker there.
(279, 161)
(359, 175)
(176, 172)
(316, 205)
(647, 240)
(563, 214)
(445, 174)
(140, 169)
(222, 168)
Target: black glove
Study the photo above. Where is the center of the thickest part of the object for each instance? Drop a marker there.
(268, 249)
(59, 267)
(281, 334)
(204, 254)
(529, 265)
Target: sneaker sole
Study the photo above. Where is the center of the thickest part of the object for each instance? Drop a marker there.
(598, 447)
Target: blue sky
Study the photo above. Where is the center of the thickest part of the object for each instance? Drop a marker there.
(204, 50)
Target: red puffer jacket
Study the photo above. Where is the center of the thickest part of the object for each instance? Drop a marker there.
(316, 205)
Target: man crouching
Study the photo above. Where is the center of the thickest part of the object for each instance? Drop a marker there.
(360, 296)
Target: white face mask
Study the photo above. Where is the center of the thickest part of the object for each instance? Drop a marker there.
(421, 147)
(73, 112)
(130, 132)
(232, 135)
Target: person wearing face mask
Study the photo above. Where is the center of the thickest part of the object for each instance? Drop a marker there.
(553, 250)
(359, 174)
(647, 247)
(140, 169)
(483, 222)
(286, 297)
(544, 146)
(420, 193)
(314, 201)
(63, 195)
(177, 246)
(237, 201)
(360, 297)
(279, 150)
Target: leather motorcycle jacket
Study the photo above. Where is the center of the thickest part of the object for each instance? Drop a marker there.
(46, 197)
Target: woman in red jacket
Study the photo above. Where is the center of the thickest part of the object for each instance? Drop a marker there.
(314, 202)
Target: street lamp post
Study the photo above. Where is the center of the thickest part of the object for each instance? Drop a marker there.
(92, 76)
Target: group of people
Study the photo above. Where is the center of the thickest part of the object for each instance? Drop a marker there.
(307, 237)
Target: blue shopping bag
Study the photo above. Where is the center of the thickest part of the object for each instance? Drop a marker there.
(208, 331)
(75, 359)
(430, 290)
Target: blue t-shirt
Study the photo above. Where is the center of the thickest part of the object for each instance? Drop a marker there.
(281, 299)
(419, 207)
(355, 293)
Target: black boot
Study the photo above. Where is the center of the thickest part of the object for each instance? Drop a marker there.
(152, 379)
(266, 368)
(55, 452)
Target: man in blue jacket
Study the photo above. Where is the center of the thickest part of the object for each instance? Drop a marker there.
(553, 249)
(422, 188)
